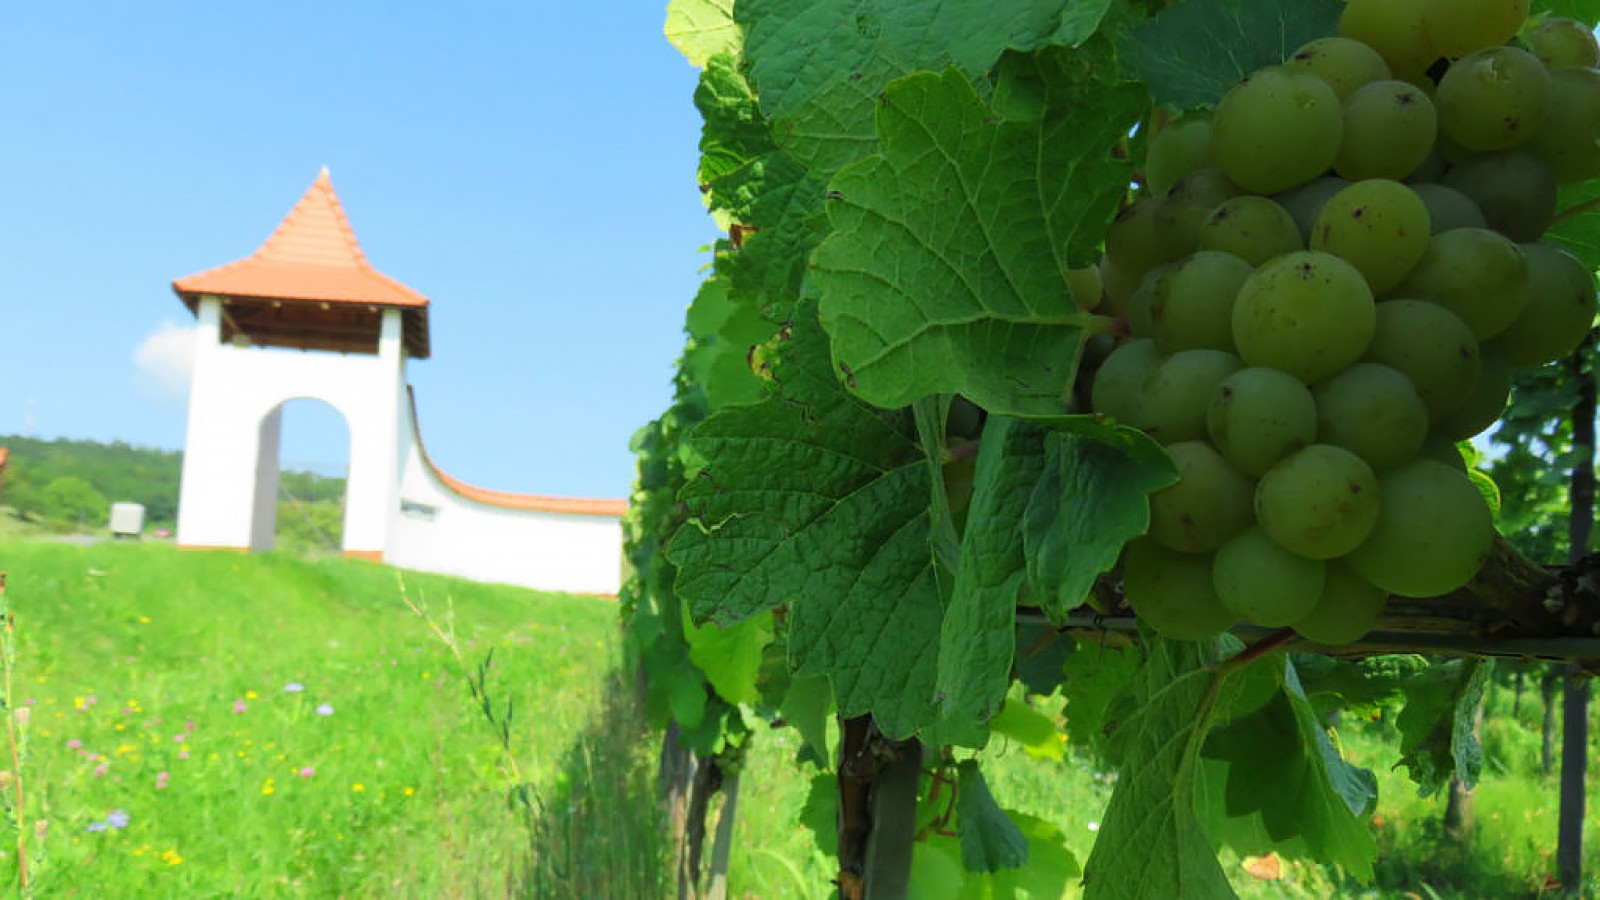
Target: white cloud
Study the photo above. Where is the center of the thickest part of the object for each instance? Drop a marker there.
(165, 359)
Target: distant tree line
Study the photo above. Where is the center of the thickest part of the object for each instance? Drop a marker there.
(68, 484)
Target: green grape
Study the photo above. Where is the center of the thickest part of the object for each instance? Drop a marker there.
(1172, 592)
(1381, 227)
(1484, 404)
(1187, 205)
(1262, 583)
(1374, 412)
(1493, 99)
(1343, 63)
(1433, 532)
(1255, 229)
(1348, 608)
(1131, 241)
(1119, 384)
(1305, 202)
(1393, 28)
(1258, 416)
(1478, 274)
(1191, 303)
(1209, 504)
(1309, 314)
(1320, 501)
(1458, 27)
(1183, 146)
(1177, 391)
(1515, 190)
(1449, 208)
(1137, 309)
(1570, 138)
(1118, 285)
(1276, 129)
(1084, 285)
(1560, 310)
(1389, 128)
(1431, 346)
(1563, 43)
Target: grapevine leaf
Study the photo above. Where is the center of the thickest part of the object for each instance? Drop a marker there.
(1091, 500)
(1579, 234)
(1191, 53)
(1361, 685)
(1033, 730)
(935, 874)
(1041, 658)
(1096, 675)
(819, 67)
(821, 812)
(1051, 866)
(977, 643)
(806, 707)
(734, 132)
(945, 271)
(1438, 735)
(730, 658)
(815, 500)
(687, 696)
(1151, 845)
(724, 331)
(702, 28)
(1286, 772)
(990, 841)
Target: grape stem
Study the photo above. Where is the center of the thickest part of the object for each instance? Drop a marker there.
(1274, 641)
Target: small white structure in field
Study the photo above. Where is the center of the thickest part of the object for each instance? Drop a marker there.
(309, 287)
(127, 519)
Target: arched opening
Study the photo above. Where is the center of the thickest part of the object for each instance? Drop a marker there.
(301, 474)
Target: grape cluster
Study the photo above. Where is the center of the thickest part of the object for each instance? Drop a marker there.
(1327, 281)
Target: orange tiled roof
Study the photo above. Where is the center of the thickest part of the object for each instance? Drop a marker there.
(313, 255)
(582, 506)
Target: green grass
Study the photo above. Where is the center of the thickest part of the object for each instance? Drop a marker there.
(159, 684)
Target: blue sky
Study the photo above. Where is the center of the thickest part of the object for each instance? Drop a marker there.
(530, 167)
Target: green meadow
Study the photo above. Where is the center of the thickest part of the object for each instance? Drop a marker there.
(229, 725)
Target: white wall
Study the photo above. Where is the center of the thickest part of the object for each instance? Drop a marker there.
(396, 507)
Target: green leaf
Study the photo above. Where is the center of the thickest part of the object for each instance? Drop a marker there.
(945, 271)
(1092, 499)
(1096, 675)
(815, 500)
(1151, 845)
(1034, 730)
(1191, 53)
(990, 841)
(730, 658)
(1051, 866)
(1438, 736)
(821, 812)
(1041, 657)
(806, 707)
(1578, 234)
(687, 696)
(702, 28)
(820, 66)
(935, 874)
(977, 642)
(1285, 771)
(1585, 11)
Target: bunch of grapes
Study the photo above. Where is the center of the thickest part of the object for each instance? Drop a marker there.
(1328, 281)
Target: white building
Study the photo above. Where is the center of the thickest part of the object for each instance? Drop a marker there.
(306, 316)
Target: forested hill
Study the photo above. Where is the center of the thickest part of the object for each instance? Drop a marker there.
(75, 481)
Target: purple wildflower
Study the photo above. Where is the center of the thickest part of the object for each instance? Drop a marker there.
(98, 826)
(325, 709)
(118, 818)
(239, 707)
(294, 687)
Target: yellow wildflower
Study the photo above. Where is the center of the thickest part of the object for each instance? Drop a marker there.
(357, 788)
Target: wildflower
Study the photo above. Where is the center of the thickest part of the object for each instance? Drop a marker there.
(308, 771)
(188, 726)
(161, 781)
(171, 858)
(74, 744)
(357, 788)
(410, 791)
(118, 818)
(78, 703)
(144, 620)
(294, 687)
(100, 770)
(178, 738)
(239, 707)
(325, 710)
(98, 826)
(267, 788)
(23, 714)
(250, 695)
(183, 754)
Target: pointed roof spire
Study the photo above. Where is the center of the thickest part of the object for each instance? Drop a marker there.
(312, 255)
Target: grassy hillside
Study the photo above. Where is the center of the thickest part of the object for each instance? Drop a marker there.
(218, 724)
